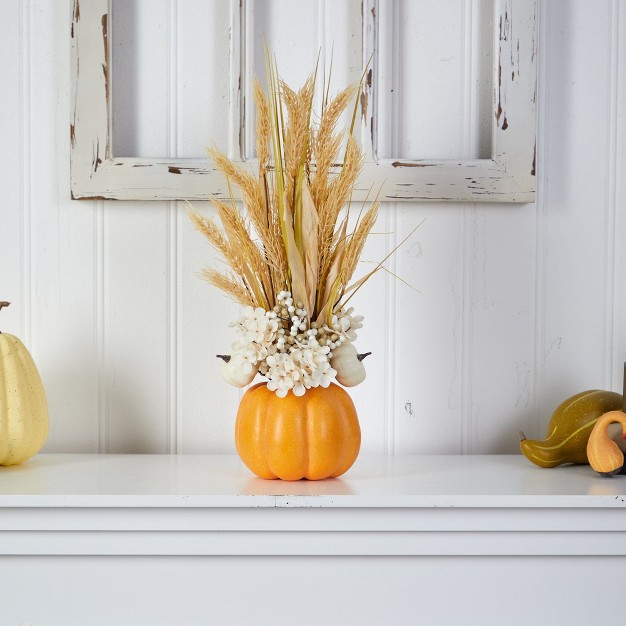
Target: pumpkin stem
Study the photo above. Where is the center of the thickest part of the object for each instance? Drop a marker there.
(362, 356)
(224, 357)
(522, 436)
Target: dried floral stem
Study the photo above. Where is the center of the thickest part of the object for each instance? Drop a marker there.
(292, 236)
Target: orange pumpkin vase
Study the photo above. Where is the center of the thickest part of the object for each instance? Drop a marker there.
(314, 436)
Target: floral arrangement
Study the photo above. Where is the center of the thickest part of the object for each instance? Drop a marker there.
(291, 257)
(289, 351)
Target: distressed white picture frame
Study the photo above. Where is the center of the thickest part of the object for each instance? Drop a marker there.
(507, 176)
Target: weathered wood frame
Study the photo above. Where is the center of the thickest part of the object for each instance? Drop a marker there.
(508, 176)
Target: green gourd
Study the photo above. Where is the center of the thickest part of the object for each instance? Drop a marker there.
(570, 428)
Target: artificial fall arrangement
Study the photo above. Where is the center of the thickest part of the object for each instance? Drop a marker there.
(291, 260)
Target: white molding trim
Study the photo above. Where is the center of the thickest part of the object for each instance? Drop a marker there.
(508, 176)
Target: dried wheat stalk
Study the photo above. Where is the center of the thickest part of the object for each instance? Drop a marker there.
(293, 238)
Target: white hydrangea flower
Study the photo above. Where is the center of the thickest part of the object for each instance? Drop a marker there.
(269, 351)
(281, 373)
(355, 320)
(345, 324)
(256, 325)
(312, 360)
(323, 375)
(249, 354)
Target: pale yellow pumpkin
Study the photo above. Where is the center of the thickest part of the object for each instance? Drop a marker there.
(23, 406)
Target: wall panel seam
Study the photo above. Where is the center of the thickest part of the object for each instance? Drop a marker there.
(100, 325)
(26, 261)
(391, 347)
(468, 244)
(464, 75)
(180, 216)
(539, 323)
(619, 326)
(611, 197)
(172, 286)
(467, 237)
(391, 443)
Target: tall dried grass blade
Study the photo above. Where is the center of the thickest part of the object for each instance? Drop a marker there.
(310, 228)
(263, 127)
(333, 278)
(276, 129)
(358, 239)
(358, 95)
(326, 88)
(296, 265)
(409, 285)
(359, 283)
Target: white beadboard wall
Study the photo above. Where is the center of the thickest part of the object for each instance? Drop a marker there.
(519, 307)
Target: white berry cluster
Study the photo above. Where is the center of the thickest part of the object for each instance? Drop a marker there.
(286, 349)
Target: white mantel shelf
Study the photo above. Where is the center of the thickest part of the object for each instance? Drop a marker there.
(222, 481)
(81, 504)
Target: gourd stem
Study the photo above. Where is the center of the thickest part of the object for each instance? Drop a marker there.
(362, 356)
(522, 436)
(224, 357)
(3, 304)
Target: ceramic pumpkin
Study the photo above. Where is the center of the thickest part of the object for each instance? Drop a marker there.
(23, 407)
(313, 436)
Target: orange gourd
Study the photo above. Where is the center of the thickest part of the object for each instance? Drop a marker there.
(605, 456)
(313, 436)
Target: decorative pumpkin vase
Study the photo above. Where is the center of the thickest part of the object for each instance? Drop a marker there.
(292, 259)
(23, 407)
(314, 436)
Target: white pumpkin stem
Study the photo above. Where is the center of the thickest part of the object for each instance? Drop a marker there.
(224, 357)
(362, 356)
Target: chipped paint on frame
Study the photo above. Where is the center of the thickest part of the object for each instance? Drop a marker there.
(508, 176)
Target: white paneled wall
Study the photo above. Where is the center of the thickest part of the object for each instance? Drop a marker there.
(519, 305)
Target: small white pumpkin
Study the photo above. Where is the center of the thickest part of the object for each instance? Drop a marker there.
(23, 406)
(235, 371)
(348, 364)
